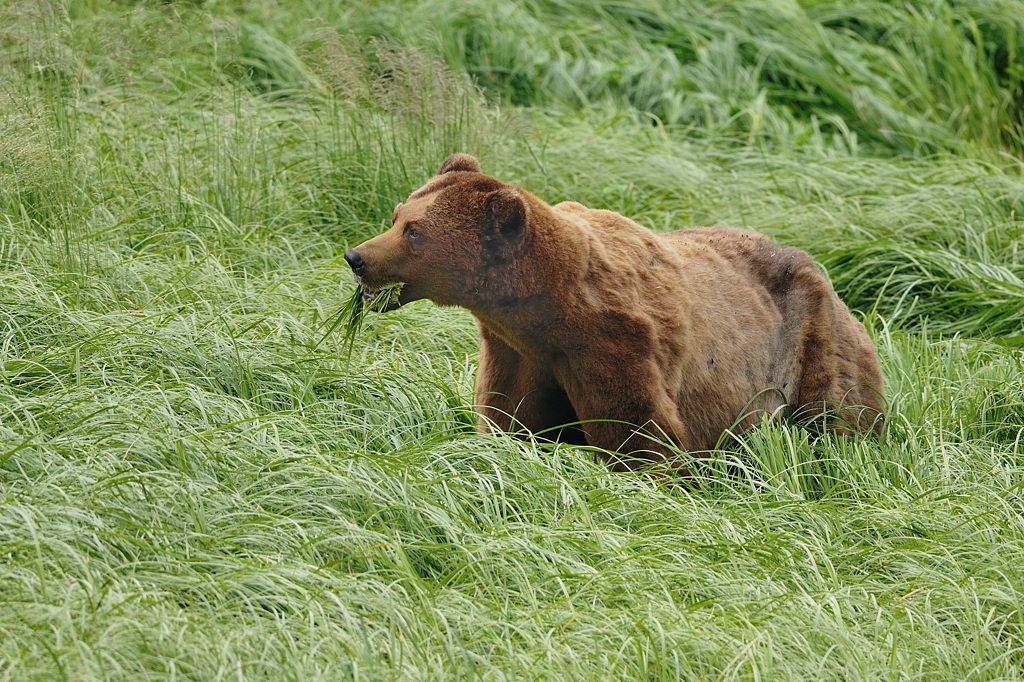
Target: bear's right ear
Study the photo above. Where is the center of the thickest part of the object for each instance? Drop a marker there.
(459, 162)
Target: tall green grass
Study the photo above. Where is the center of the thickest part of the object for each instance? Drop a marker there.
(199, 479)
(901, 76)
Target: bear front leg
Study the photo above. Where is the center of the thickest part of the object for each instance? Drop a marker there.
(638, 420)
(635, 443)
(514, 394)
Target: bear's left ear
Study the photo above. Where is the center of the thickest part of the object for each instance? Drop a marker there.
(459, 162)
(506, 215)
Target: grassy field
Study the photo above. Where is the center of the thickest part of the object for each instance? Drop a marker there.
(200, 480)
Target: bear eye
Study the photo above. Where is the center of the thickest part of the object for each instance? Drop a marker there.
(412, 233)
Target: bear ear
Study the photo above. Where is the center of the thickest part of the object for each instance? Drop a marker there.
(506, 214)
(459, 162)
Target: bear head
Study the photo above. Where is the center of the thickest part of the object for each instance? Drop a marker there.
(448, 240)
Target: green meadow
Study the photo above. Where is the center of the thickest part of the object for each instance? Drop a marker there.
(201, 479)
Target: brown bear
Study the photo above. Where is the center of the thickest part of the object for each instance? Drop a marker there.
(597, 331)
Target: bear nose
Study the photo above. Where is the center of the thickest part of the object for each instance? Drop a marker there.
(356, 262)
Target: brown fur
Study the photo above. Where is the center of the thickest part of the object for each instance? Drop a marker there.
(639, 342)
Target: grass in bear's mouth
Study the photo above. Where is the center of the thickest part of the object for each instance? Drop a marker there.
(354, 310)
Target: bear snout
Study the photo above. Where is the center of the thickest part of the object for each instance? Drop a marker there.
(356, 262)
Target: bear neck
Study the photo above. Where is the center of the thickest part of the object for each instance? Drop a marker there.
(525, 301)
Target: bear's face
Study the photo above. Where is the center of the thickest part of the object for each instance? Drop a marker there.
(446, 240)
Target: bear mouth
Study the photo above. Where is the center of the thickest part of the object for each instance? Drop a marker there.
(369, 296)
(382, 299)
